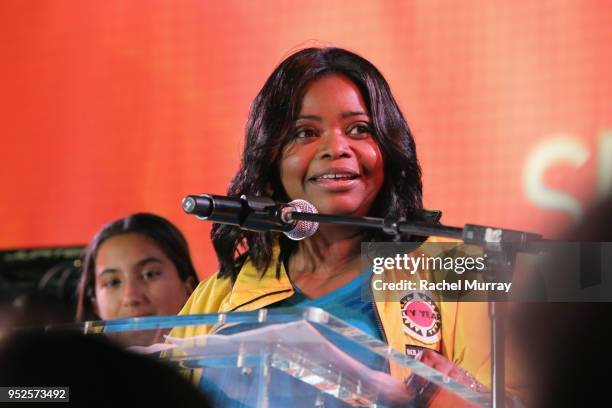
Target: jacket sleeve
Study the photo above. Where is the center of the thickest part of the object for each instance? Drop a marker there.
(472, 350)
(471, 342)
(208, 297)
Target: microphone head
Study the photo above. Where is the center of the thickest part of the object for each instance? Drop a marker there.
(302, 229)
(199, 205)
(189, 204)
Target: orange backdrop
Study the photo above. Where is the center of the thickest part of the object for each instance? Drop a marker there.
(111, 107)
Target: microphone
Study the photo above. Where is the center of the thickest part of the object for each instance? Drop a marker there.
(253, 213)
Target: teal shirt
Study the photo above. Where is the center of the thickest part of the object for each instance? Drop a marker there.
(351, 302)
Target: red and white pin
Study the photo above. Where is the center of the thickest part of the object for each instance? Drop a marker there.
(421, 317)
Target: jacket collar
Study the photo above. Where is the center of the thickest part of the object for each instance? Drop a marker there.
(253, 290)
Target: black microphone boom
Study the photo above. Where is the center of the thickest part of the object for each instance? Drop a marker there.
(225, 210)
(252, 213)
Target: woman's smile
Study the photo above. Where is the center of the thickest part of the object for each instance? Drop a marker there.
(336, 179)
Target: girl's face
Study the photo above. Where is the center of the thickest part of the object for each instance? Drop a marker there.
(135, 278)
(332, 159)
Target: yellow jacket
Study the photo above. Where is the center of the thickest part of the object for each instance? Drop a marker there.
(462, 337)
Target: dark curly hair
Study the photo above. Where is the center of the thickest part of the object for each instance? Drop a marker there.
(268, 129)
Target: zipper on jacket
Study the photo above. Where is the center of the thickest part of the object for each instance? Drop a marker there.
(376, 315)
(379, 324)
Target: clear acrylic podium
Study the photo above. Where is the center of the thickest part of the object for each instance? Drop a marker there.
(286, 358)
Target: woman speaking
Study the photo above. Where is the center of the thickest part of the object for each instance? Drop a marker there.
(325, 128)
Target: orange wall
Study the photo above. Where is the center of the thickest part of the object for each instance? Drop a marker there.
(111, 107)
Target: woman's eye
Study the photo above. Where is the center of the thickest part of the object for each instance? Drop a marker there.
(150, 274)
(303, 133)
(360, 130)
(112, 283)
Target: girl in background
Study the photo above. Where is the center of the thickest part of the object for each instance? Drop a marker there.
(138, 265)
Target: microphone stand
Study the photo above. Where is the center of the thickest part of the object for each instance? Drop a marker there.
(500, 247)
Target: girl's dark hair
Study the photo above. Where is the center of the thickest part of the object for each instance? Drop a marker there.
(269, 127)
(170, 240)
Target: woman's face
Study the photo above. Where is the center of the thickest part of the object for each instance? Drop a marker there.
(332, 159)
(135, 278)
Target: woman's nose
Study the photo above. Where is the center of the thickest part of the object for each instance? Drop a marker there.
(133, 293)
(334, 145)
